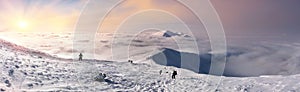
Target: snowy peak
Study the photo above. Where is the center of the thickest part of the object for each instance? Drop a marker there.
(163, 33)
(168, 33)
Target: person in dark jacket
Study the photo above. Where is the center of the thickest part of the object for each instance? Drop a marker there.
(80, 57)
(160, 71)
(174, 74)
(130, 61)
(100, 77)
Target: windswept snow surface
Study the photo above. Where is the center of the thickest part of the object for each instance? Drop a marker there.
(42, 72)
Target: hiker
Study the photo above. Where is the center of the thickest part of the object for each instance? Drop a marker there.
(100, 77)
(160, 71)
(104, 75)
(11, 72)
(130, 61)
(174, 74)
(80, 57)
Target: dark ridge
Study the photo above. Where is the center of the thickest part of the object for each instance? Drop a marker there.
(170, 57)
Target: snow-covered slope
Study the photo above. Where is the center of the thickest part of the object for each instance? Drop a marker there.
(39, 72)
(35, 71)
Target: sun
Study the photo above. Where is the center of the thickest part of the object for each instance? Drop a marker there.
(22, 24)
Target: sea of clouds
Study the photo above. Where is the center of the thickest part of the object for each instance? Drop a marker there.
(247, 59)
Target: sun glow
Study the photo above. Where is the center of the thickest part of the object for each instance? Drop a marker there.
(23, 24)
(39, 16)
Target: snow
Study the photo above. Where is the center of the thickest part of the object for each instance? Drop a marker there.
(47, 65)
(168, 33)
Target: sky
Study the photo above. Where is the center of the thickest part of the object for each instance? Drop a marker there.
(263, 18)
(38, 15)
(260, 16)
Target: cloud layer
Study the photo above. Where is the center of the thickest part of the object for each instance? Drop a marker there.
(260, 58)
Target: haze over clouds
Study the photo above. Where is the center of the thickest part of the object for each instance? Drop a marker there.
(265, 19)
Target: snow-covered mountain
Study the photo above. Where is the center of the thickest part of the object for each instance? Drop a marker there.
(24, 69)
(168, 33)
(163, 33)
